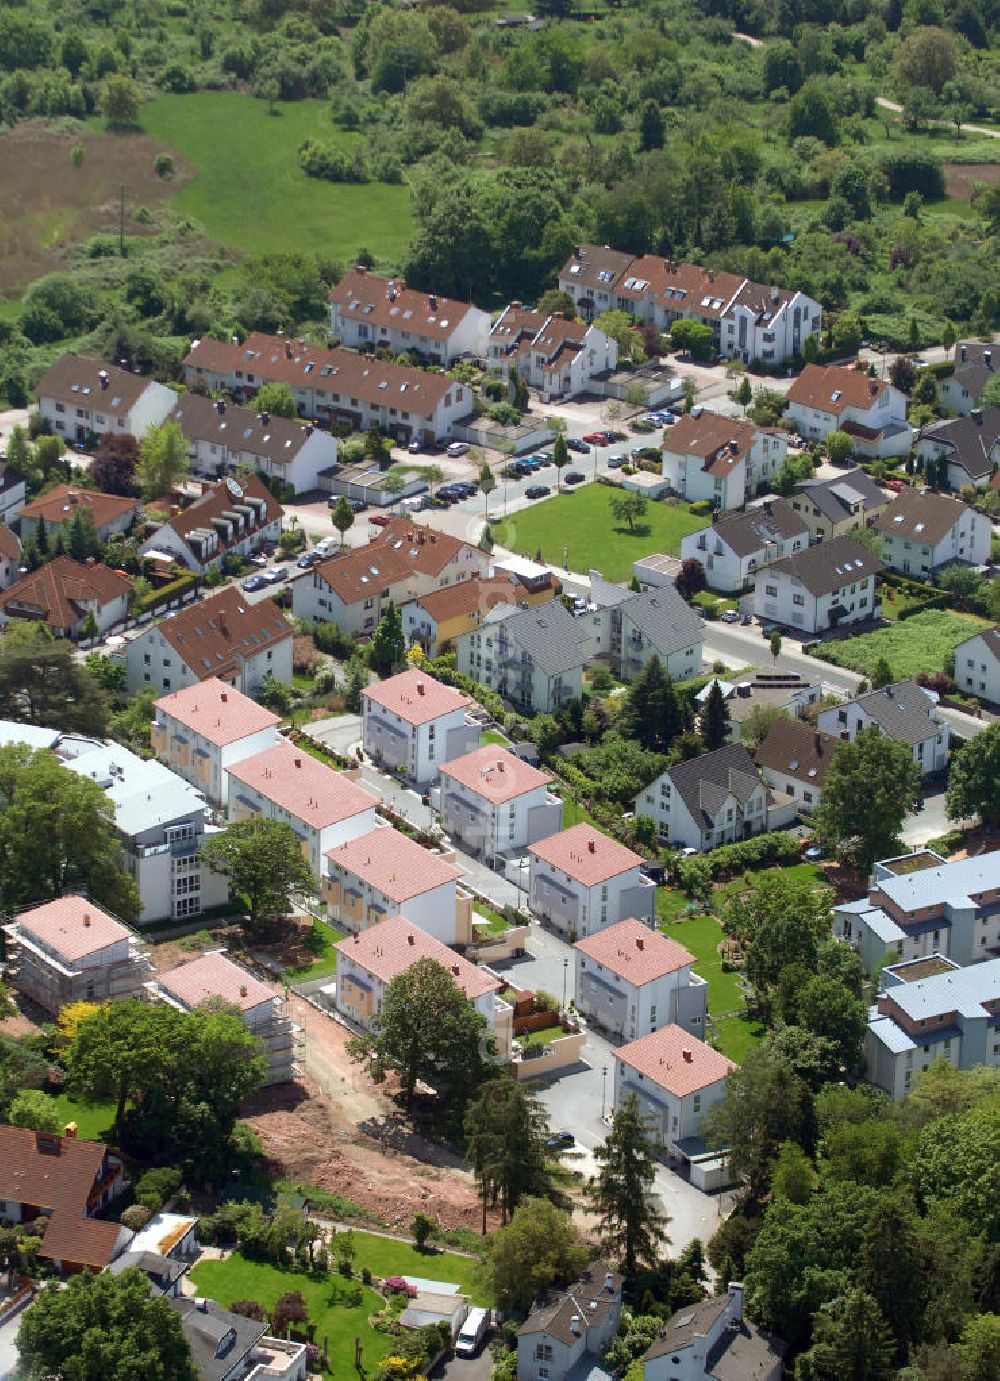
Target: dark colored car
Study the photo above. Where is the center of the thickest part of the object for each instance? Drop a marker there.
(574, 443)
(560, 1140)
(574, 477)
(311, 558)
(537, 491)
(254, 582)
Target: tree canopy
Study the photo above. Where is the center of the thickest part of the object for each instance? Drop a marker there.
(631, 1226)
(42, 683)
(868, 791)
(264, 863)
(539, 1248)
(974, 778)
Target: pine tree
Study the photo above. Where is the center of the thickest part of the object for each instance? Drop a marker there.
(41, 537)
(714, 722)
(388, 647)
(653, 712)
(630, 1226)
(560, 457)
(506, 1130)
(851, 1341)
(77, 541)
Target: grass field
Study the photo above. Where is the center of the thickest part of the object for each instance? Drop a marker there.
(250, 194)
(918, 644)
(582, 523)
(324, 962)
(702, 935)
(93, 1120)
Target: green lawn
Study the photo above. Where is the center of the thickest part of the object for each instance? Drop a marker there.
(93, 1120)
(324, 962)
(582, 523)
(546, 1036)
(497, 923)
(737, 1036)
(495, 737)
(917, 644)
(250, 194)
(702, 935)
(384, 1256)
(576, 814)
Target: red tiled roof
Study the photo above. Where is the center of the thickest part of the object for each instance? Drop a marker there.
(470, 596)
(495, 774)
(214, 975)
(395, 944)
(300, 784)
(635, 952)
(829, 389)
(720, 442)
(394, 864)
(587, 855)
(73, 927)
(216, 636)
(61, 504)
(415, 696)
(368, 297)
(10, 543)
(676, 1061)
(58, 592)
(402, 548)
(219, 713)
(215, 501)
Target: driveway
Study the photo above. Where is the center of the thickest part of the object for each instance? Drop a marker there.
(467, 1368)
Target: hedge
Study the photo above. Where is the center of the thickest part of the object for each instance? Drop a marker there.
(172, 590)
(762, 851)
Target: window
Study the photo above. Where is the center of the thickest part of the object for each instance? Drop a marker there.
(696, 1103)
(771, 590)
(543, 1352)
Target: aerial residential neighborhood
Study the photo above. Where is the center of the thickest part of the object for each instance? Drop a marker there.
(499, 692)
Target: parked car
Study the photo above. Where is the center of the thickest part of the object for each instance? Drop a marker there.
(730, 616)
(276, 575)
(255, 582)
(594, 438)
(258, 560)
(573, 443)
(380, 519)
(574, 477)
(310, 559)
(616, 436)
(615, 462)
(472, 1332)
(560, 1139)
(458, 448)
(537, 491)
(414, 448)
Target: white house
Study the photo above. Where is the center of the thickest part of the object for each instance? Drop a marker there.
(711, 1340)
(197, 732)
(580, 881)
(969, 445)
(975, 364)
(435, 620)
(567, 1330)
(369, 960)
(825, 586)
(322, 806)
(386, 873)
(70, 950)
(370, 312)
(825, 398)
(904, 712)
(922, 531)
(930, 1009)
(406, 560)
(232, 517)
(717, 798)
(161, 821)
(630, 628)
(13, 492)
(977, 665)
(56, 507)
(214, 976)
(835, 507)
(558, 356)
(532, 657)
(721, 458)
(413, 722)
(224, 638)
(223, 438)
(334, 385)
(676, 1078)
(64, 592)
(631, 979)
(735, 548)
(10, 557)
(795, 759)
(495, 804)
(77, 397)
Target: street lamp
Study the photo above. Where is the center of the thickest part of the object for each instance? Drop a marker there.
(604, 1089)
(565, 967)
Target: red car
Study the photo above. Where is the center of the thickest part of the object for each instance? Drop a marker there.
(379, 519)
(595, 439)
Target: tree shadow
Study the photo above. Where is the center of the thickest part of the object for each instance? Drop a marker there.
(639, 529)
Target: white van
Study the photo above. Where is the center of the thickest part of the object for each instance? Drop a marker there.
(413, 505)
(472, 1332)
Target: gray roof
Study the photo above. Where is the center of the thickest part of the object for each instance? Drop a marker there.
(967, 441)
(887, 1033)
(217, 1337)
(160, 1271)
(743, 1352)
(879, 922)
(990, 636)
(828, 566)
(143, 792)
(605, 594)
(972, 371)
(745, 533)
(965, 991)
(706, 781)
(587, 1299)
(10, 477)
(955, 883)
(551, 636)
(901, 711)
(666, 619)
(836, 498)
(921, 515)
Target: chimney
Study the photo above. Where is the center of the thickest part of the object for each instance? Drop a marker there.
(592, 845)
(361, 269)
(736, 1295)
(965, 353)
(574, 1324)
(288, 349)
(420, 688)
(298, 762)
(687, 1055)
(977, 416)
(578, 251)
(220, 406)
(640, 943)
(455, 970)
(69, 1130)
(411, 939)
(201, 1304)
(265, 417)
(235, 339)
(86, 918)
(102, 374)
(224, 697)
(609, 1283)
(988, 358)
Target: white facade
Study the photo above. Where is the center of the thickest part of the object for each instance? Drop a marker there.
(94, 412)
(727, 485)
(780, 597)
(317, 453)
(577, 907)
(385, 873)
(247, 801)
(629, 1005)
(155, 663)
(533, 657)
(967, 541)
(877, 427)
(673, 1115)
(475, 816)
(419, 749)
(13, 493)
(730, 567)
(977, 666)
(198, 760)
(370, 312)
(711, 1339)
(713, 812)
(929, 742)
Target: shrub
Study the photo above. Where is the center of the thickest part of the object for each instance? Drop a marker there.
(332, 164)
(163, 165)
(763, 851)
(423, 1228)
(136, 1217)
(155, 1187)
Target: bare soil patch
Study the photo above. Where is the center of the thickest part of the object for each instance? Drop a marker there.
(49, 205)
(959, 178)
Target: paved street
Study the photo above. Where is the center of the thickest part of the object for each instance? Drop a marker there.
(467, 1368)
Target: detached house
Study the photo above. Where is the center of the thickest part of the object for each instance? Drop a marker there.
(720, 458)
(495, 804)
(230, 1347)
(712, 1341)
(223, 438)
(826, 399)
(834, 508)
(975, 364)
(70, 950)
(921, 532)
(370, 312)
(969, 446)
(567, 1328)
(977, 665)
(676, 1078)
(109, 513)
(79, 397)
(630, 980)
(230, 518)
(559, 357)
(824, 587)
(735, 548)
(904, 712)
(413, 722)
(436, 620)
(532, 657)
(581, 881)
(197, 732)
(63, 593)
(13, 492)
(224, 638)
(10, 557)
(631, 628)
(796, 759)
(714, 799)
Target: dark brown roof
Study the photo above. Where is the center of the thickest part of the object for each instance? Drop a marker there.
(921, 516)
(75, 380)
(719, 442)
(973, 372)
(57, 593)
(401, 548)
(990, 636)
(796, 750)
(745, 533)
(742, 1352)
(589, 262)
(830, 389)
(239, 429)
(61, 504)
(214, 638)
(368, 297)
(827, 566)
(218, 500)
(968, 441)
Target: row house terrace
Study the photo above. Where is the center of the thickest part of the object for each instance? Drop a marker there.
(234, 517)
(199, 731)
(79, 397)
(223, 437)
(581, 881)
(416, 724)
(371, 312)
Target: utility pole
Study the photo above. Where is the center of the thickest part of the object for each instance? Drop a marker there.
(121, 221)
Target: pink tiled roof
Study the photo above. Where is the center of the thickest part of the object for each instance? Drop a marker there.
(73, 927)
(214, 975)
(219, 713)
(305, 787)
(676, 1061)
(395, 944)
(393, 863)
(415, 696)
(587, 855)
(634, 952)
(495, 774)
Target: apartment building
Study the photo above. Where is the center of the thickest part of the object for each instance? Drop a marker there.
(214, 977)
(70, 950)
(825, 398)
(57, 508)
(495, 804)
(677, 1079)
(835, 507)
(233, 517)
(558, 356)
(717, 798)
(631, 979)
(436, 620)
(904, 712)
(532, 657)
(922, 531)
(197, 732)
(824, 587)
(386, 873)
(581, 881)
(975, 363)
(710, 1340)
(79, 398)
(721, 458)
(630, 628)
(977, 665)
(796, 759)
(919, 905)
(323, 807)
(371, 312)
(224, 438)
(930, 1009)
(62, 593)
(369, 960)
(415, 723)
(568, 1330)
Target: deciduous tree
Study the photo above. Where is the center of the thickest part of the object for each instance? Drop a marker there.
(766, 1104)
(342, 517)
(690, 579)
(163, 460)
(868, 791)
(974, 778)
(631, 1226)
(275, 398)
(121, 102)
(264, 863)
(539, 1248)
(628, 508)
(34, 1109)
